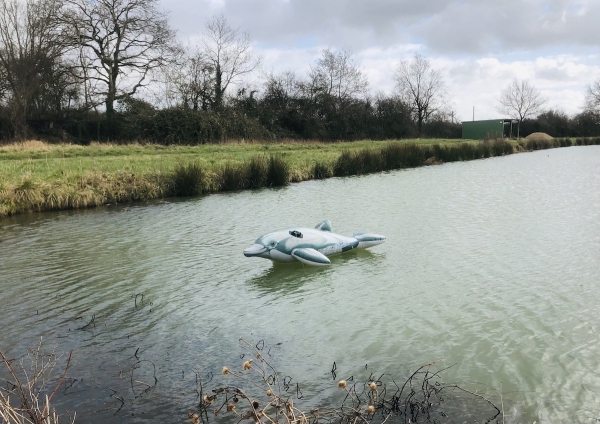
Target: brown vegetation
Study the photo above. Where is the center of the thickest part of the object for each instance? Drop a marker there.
(32, 385)
(539, 136)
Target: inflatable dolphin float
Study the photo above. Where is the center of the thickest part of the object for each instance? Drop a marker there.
(310, 246)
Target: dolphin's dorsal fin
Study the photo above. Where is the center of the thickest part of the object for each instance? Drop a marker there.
(324, 225)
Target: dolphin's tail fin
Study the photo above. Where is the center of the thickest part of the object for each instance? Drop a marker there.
(324, 226)
(368, 239)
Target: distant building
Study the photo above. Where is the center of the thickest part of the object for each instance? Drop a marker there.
(491, 128)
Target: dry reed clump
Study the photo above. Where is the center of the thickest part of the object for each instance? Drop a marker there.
(89, 191)
(31, 385)
(260, 393)
(410, 155)
(257, 172)
(321, 170)
(260, 171)
(189, 179)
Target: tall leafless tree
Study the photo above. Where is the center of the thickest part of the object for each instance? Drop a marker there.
(520, 100)
(190, 81)
(230, 53)
(421, 87)
(336, 75)
(119, 43)
(30, 56)
(593, 96)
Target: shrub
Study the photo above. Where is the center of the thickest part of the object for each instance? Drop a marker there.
(182, 126)
(564, 142)
(232, 177)
(278, 173)
(486, 149)
(189, 180)
(398, 156)
(258, 169)
(321, 170)
(502, 147)
(369, 161)
(445, 153)
(347, 164)
(467, 151)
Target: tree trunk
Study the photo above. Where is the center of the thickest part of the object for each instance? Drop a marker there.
(110, 102)
(218, 89)
(419, 121)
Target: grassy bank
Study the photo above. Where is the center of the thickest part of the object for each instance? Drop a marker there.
(36, 176)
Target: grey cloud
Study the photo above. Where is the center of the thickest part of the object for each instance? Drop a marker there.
(553, 74)
(343, 23)
(478, 27)
(444, 26)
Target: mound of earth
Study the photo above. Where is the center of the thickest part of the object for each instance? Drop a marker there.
(541, 136)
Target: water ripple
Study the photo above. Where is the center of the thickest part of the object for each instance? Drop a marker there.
(491, 265)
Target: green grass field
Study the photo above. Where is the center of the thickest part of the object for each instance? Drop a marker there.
(36, 176)
(66, 163)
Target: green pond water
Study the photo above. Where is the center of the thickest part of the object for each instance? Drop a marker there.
(491, 268)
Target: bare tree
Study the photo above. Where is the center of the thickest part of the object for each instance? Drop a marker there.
(230, 53)
(593, 96)
(520, 100)
(281, 93)
(30, 55)
(191, 81)
(285, 84)
(336, 75)
(421, 87)
(119, 43)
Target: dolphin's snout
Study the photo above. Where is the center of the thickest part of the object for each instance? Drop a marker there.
(254, 250)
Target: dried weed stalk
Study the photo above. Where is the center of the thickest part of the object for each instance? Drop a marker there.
(372, 401)
(26, 398)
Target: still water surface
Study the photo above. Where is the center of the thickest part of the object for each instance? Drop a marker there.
(491, 265)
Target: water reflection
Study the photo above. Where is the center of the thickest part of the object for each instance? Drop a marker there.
(287, 278)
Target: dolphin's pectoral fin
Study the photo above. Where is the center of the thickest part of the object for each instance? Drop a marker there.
(324, 225)
(310, 256)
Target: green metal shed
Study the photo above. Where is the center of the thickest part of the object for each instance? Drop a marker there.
(491, 128)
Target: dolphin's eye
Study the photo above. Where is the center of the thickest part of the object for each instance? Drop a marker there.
(273, 244)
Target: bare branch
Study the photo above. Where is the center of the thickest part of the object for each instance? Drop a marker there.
(335, 74)
(421, 88)
(521, 100)
(120, 43)
(230, 53)
(593, 96)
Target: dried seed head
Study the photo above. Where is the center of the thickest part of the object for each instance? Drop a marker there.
(373, 385)
(230, 407)
(194, 418)
(371, 409)
(216, 412)
(225, 371)
(255, 405)
(247, 365)
(342, 384)
(207, 399)
(269, 392)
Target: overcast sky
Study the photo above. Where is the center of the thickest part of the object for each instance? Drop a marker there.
(480, 45)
